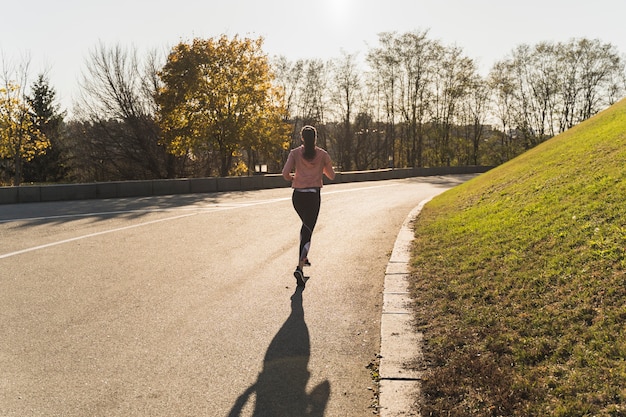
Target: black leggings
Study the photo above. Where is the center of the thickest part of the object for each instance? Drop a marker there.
(307, 205)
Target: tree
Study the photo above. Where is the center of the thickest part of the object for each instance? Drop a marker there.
(313, 102)
(550, 87)
(472, 120)
(117, 100)
(216, 95)
(346, 87)
(47, 119)
(20, 140)
(385, 64)
(287, 78)
(544, 81)
(368, 152)
(453, 82)
(600, 65)
(418, 60)
(502, 89)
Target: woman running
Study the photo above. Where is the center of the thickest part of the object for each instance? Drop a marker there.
(309, 163)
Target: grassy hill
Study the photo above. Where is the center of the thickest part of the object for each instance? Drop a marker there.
(520, 282)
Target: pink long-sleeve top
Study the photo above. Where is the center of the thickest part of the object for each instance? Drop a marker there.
(308, 173)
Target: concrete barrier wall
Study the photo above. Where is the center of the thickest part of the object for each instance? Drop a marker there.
(120, 189)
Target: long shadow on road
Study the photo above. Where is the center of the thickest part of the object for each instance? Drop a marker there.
(281, 387)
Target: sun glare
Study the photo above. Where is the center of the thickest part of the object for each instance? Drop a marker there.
(339, 9)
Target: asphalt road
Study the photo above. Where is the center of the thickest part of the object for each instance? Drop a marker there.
(187, 306)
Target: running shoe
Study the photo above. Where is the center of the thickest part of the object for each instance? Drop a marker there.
(299, 277)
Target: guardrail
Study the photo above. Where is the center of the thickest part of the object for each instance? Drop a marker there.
(120, 189)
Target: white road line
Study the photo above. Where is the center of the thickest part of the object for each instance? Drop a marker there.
(359, 189)
(214, 207)
(69, 216)
(196, 210)
(104, 232)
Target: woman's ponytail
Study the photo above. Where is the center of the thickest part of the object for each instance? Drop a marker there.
(309, 136)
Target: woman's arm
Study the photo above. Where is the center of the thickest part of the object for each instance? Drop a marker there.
(328, 168)
(289, 165)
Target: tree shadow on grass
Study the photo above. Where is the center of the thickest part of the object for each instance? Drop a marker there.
(281, 387)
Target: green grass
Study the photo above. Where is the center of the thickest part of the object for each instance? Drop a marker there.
(520, 286)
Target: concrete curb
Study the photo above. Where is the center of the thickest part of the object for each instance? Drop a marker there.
(399, 387)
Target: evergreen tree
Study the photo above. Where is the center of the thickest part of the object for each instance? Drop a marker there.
(47, 119)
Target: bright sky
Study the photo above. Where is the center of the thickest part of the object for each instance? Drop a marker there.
(58, 35)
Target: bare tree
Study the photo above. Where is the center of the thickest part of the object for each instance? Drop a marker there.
(533, 73)
(288, 78)
(472, 120)
(118, 101)
(313, 92)
(385, 64)
(345, 91)
(600, 65)
(313, 98)
(370, 126)
(452, 83)
(417, 55)
(502, 89)
(557, 85)
(544, 84)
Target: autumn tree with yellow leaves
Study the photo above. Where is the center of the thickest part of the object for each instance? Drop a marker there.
(20, 140)
(218, 105)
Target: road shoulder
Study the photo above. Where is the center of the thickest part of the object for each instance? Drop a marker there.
(399, 387)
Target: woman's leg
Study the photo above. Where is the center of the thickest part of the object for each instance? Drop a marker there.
(307, 205)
